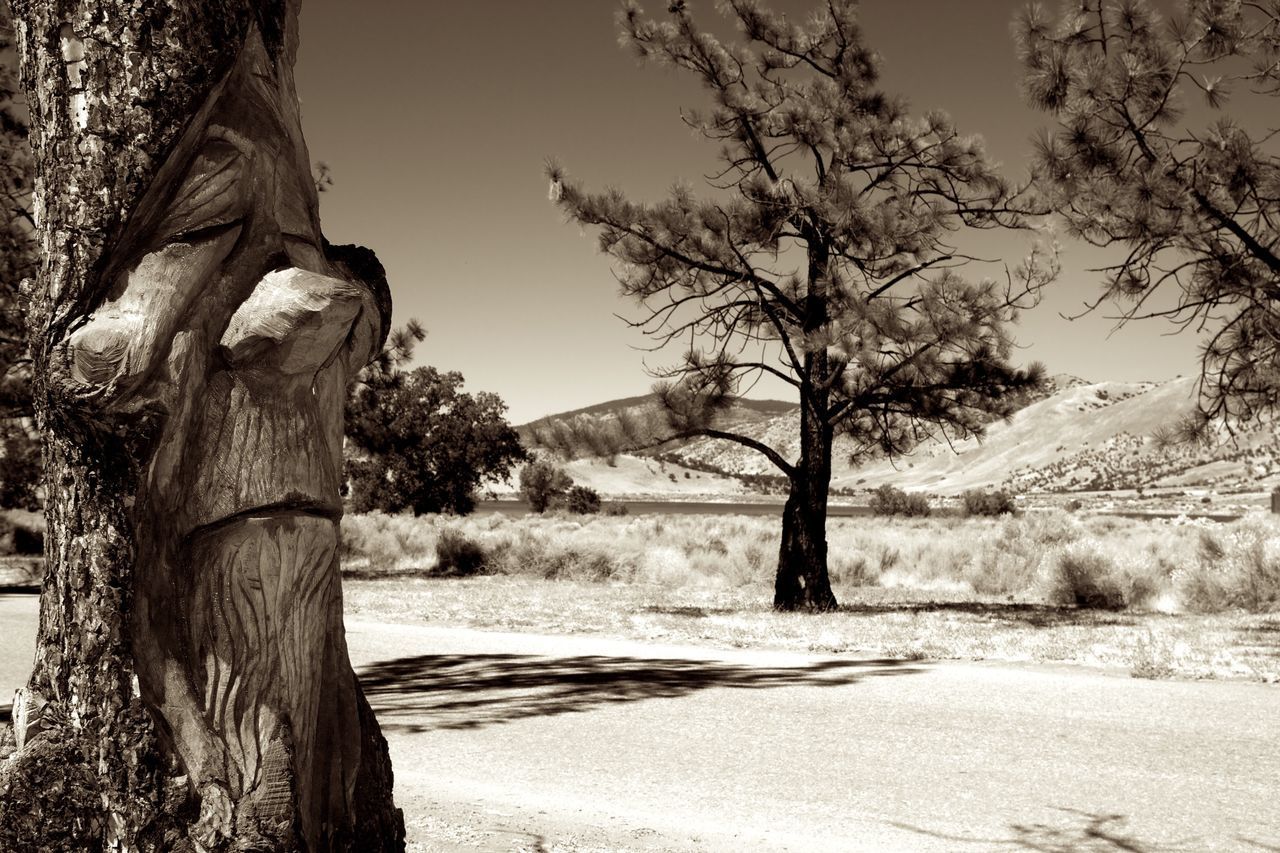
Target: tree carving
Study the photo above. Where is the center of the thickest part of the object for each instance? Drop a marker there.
(193, 347)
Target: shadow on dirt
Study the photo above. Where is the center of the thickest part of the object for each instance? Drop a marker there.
(427, 692)
(1077, 830)
(1013, 615)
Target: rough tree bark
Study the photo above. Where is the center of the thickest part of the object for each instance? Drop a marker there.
(802, 581)
(193, 335)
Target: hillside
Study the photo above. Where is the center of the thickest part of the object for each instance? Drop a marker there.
(628, 425)
(1077, 436)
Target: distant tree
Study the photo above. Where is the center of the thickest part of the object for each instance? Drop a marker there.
(17, 231)
(425, 445)
(822, 256)
(1146, 159)
(21, 469)
(982, 502)
(890, 500)
(542, 483)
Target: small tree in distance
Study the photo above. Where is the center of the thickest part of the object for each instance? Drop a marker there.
(582, 500)
(890, 500)
(823, 256)
(542, 483)
(420, 442)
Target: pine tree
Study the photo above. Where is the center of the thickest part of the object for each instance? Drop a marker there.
(1146, 159)
(824, 254)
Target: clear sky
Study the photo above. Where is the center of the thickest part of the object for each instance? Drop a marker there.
(436, 119)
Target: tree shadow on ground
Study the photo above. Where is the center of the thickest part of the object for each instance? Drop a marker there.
(1260, 641)
(428, 692)
(1077, 831)
(693, 612)
(1013, 615)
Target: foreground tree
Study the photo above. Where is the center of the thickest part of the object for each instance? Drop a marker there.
(423, 443)
(1193, 205)
(192, 336)
(822, 257)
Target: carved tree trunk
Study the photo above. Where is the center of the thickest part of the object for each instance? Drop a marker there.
(193, 335)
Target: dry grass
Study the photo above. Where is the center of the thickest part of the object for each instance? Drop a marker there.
(936, 588)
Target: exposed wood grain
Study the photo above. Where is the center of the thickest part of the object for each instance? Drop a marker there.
(194, 335)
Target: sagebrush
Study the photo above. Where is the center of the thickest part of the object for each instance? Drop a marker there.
(1049, 557)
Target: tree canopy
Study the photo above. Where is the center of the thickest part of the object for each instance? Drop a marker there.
(423, 444)
(1147, 158)
(825, 251)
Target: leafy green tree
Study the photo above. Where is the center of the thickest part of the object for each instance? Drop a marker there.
(543, 483)
(425, 445)
(824, 254)
(1146, 159)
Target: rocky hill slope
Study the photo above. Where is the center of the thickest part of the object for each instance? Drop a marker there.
(1076, 436)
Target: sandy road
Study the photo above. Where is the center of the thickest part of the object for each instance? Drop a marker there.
(508, 741)
(527, 742)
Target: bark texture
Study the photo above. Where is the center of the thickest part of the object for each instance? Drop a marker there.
(802, 582)
(193, 335)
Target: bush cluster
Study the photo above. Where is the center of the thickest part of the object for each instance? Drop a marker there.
(980, 502)
(545, 486)
(890, 500)
(22, 533)
(21, 470)
(1086, 577)
(1053, 557)
(1238, 570)
(582, 501)
(458, 555)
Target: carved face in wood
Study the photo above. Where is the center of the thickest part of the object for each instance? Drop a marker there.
(230, 324)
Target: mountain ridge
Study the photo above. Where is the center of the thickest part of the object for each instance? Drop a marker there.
(1074, 436)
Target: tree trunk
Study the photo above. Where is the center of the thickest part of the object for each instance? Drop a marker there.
(192, 337)
(802, 582)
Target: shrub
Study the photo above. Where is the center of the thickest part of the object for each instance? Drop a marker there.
(458, 555)
(21, 470)
(388, 541)
(582, 500)
(979, 502)
(616, 509)
(22, 532)
(1084, 576)
(889, 500)
(541, 482)
(1240, 570)
(28, 540)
